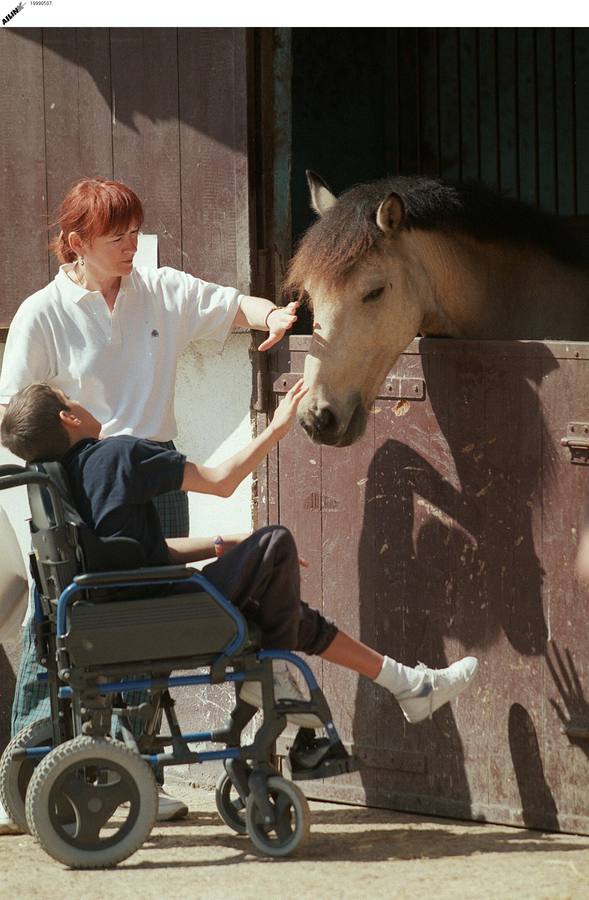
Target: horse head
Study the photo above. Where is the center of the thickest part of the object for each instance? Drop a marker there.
(368, 293)
(411, 254)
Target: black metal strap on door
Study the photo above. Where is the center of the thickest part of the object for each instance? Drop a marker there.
(577, 440)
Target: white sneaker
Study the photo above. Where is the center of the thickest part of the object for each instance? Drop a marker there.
(7, 826)
(169, 809)
(438, 686)
(285, 688)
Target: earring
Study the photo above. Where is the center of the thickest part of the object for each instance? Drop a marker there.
(81, 260)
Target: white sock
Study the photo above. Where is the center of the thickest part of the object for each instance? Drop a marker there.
(397, 678)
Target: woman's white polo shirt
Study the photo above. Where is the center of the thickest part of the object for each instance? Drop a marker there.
(122, 365)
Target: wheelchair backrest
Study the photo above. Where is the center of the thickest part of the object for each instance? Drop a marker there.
(63, 545)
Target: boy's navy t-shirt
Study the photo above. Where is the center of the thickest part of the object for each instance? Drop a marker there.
(113, 482)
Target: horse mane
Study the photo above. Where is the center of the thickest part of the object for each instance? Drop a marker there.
(337, 240)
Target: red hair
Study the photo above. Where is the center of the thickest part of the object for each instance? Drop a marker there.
(93, 207)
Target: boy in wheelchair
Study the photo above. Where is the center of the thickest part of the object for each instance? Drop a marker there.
(88, 639)
(113, 482)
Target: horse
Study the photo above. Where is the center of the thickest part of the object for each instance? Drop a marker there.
(404, 256)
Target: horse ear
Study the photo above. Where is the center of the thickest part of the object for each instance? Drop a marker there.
(390, 214)
(321, 197)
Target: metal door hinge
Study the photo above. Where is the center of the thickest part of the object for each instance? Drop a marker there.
(577, 440)
(260, 377)
(396, 388)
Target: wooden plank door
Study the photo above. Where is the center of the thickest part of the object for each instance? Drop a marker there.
(451, 529)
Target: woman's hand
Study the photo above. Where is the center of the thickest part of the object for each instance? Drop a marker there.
(287, 408)
(279, 321)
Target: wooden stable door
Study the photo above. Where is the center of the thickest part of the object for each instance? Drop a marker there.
(451, 529)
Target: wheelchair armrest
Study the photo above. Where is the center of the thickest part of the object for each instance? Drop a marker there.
(11, 469)
(134, 576)
(16, 476)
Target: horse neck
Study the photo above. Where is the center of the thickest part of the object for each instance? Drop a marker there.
(497, 290)
(456, 293)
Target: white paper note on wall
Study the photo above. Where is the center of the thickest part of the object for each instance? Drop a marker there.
(146, 255)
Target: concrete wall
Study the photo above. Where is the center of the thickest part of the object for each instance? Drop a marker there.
(212, 407)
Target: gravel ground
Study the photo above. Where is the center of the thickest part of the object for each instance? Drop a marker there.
(352, 852)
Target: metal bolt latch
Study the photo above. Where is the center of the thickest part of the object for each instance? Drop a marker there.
(577, 440)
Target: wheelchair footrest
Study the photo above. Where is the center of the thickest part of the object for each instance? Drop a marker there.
(311, 757)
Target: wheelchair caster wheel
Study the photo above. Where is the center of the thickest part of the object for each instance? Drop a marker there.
(291, 819)
(16, 773)
(92, 778)
(230, 806)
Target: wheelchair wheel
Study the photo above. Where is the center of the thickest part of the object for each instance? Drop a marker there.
(111, 795)
(292, 819)
(230, 806)
(15, 774)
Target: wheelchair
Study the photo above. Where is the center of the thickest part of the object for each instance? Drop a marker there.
(81, 781)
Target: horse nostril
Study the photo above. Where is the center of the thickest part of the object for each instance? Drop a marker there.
(320, 424)
(325, 421)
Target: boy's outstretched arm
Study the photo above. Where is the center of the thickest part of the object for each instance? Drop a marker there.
(195, 549)
(224, 478)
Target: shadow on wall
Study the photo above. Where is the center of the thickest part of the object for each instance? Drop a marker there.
(152, 72)
(572, 707)
(538, 805)
(447, 552)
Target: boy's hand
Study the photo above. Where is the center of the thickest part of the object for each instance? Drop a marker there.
(286, 412)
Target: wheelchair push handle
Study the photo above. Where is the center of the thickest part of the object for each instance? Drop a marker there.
(17, 476)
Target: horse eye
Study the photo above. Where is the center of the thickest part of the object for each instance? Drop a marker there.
(373, 295)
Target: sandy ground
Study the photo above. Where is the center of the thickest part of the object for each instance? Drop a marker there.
(351, 852)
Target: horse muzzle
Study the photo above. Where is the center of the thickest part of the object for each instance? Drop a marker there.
(324, 426)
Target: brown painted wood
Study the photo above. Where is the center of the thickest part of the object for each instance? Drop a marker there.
(408, 101)
(581, 64)
(469, 130)
(348, 590)
(565, 120)
(213, 154)
(489, 163)
(23, 237)
(507, 110)
(451, 528)
(505, 106)
(566, 674)
(76, 79)
(449, 92)
(546, 137)
(145, 129)
(391, 124)
(429, 129)
(88, 94)
(527, 134)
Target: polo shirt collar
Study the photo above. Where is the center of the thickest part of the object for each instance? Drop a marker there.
(72, 291)
(77, 448)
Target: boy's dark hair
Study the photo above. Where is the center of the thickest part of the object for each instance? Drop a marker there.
(31, 427)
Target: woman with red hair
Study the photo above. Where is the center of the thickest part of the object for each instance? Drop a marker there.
(109, 335)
